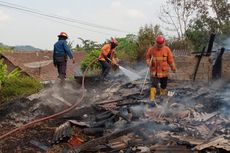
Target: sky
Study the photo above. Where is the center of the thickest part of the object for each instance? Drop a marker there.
(123, 16)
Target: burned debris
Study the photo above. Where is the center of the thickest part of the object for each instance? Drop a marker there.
(191, 120)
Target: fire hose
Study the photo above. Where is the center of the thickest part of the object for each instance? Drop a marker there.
(27, 125)
(147, 73)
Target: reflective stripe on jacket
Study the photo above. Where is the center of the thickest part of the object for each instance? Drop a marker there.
(161, 60)
(106, 52)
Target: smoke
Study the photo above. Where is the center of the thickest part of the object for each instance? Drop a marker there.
(138, 110)
(59, 96)
(225, 100)
(130, 74)
(222, 41)
(141, 68)
(226, 43)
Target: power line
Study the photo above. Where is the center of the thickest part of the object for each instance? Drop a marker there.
(29, 10)
(103, 33)
(64, 23)
(22, 8)
(72, 25)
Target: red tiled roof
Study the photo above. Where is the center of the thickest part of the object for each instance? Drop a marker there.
(30, 62)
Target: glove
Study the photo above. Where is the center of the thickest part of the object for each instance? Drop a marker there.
(114, 63)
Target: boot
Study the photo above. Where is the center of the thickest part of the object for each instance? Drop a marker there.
(163, 92)
(153, 92)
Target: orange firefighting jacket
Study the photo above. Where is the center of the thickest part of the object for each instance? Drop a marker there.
(161, 60)
(107, 52)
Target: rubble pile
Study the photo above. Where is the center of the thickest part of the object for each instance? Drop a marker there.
(194, 118)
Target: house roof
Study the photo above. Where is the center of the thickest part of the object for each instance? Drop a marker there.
(39, 64)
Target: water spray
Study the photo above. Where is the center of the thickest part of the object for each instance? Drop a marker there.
(131, 75)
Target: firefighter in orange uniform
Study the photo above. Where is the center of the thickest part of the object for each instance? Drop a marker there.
(107, 57)
(159, 58)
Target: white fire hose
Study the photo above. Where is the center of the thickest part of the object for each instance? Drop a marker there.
(147, 73)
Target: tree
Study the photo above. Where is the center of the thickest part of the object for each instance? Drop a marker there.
(89, 59)
(5, 47)
(211, 16)
(127, 49)
(215, 14)
(177, 14)
(88, 45)
(146, 38)
(198, 34)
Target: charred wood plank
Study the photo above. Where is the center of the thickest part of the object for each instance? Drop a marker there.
(93, 131)
(39, 145)
(118, 146)
(102, 148)
(133, 103)
(103, 123)
(61, 132)
(79, 124)
(105, 139)
(123, 117)
(103, 116)
(219, 142)
(109, 101)
(171, 149)
(137, 142)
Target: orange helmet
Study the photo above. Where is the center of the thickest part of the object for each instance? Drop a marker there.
(63, 34)
(160, 40)
(114, 40)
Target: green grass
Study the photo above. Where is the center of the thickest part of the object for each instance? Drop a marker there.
(17, 87)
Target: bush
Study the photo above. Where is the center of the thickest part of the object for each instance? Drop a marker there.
(13, 84)
(182, 45)
(22, 86)
(127, 49)
(4, 74)
(89, 59)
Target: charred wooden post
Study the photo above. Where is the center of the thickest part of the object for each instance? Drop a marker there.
(210, 44)
(198, 63)
(217, 66)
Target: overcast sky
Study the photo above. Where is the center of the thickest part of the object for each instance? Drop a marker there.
(20, 28)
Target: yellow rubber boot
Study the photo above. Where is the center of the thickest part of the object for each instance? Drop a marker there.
(163, 92)
(153, 92)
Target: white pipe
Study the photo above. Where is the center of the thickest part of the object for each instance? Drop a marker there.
(143, 85)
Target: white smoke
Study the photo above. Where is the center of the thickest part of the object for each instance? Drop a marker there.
(59, 96)
(226, 44)
(130, 74)
(221, 41)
